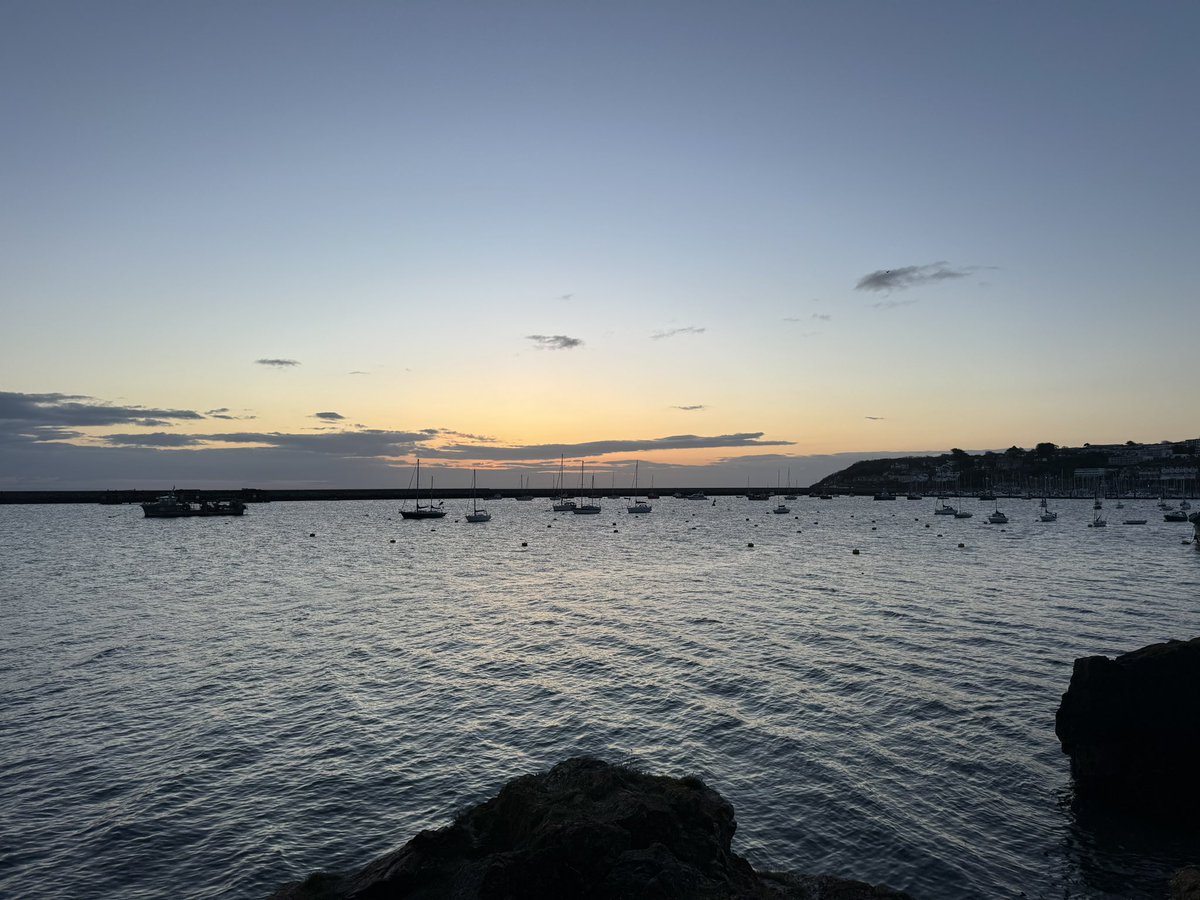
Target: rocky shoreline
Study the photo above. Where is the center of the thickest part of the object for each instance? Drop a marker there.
(585, 829)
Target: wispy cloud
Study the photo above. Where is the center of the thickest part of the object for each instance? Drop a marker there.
(462, 435)
(154, 439)
(358, 372)
(874, 418)
(278, 363)
(823, 317)
(891, 304)
(565, 296)
(224, 412)
(673, 332)
(601, 448)
(328, 416)
(909, 276)
(554, 341)
(691, 408)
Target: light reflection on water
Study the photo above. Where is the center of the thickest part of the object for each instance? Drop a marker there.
(227, 704)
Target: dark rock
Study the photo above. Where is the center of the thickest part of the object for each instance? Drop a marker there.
(1185, 884)
(1131, 726)
(585, 829)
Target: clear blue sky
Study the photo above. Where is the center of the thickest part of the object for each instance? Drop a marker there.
(696, 193)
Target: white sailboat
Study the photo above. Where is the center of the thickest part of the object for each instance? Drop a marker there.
(638, 507)
(477, 514)
(427, 511)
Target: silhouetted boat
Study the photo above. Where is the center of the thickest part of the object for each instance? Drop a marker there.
(1175, 515)
(997, 517)
(943, 508)
(172, 506)
(638, 507)
(590, 508)
(781, 509)
(562, 503)
(884, 495)
(477, 514)
(524, 494)
(428, 511)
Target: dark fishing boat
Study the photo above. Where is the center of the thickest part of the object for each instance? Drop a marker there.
(172, 506)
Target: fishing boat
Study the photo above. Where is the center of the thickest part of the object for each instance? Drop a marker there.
(477, 514)
(1134, 522)
(638, 507)
(423, 511)
(884, 495)
(942, 508)
(590, 508)
(173, 506)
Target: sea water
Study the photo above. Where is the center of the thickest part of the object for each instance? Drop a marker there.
(211, 707)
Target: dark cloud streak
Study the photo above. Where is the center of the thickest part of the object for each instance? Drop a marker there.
(908, 277)
(554, 341)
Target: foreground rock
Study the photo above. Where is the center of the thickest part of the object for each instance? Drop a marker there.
(585, 829)
(1131, 726)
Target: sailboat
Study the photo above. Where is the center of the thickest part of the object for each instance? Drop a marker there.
(428, 511)
(590, 508)
(562, 503)
(997, 517)
(638, 507)
(1097, 520)
(791, 494)
(477, 514)
(651, 494)
(942, 508)
(524, 493)
(1047, 515)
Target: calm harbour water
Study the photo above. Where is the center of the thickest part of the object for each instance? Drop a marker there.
(211, 707)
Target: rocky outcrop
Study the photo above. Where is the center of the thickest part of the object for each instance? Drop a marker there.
(1185, 884)
(1131, 726)
(585, 829)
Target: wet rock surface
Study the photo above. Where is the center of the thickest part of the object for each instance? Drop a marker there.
(585, 829)
(1131, 726)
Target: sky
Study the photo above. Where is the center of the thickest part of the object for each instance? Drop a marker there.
(300, 244)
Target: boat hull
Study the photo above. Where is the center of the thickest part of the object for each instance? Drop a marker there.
(423, 513)
(188, 511)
